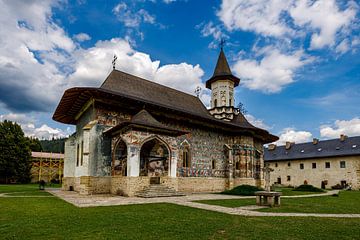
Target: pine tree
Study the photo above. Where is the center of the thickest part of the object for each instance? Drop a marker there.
(15, 153)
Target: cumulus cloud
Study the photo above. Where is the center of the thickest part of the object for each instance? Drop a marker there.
(215, 31)
(28, 125)
(260, 16)
(274, 71)
(38, 60)
(130, 17)
(257, 122)
(291, 135)
(26, 34)
(323, 20)
(81, 37)
(348, 127)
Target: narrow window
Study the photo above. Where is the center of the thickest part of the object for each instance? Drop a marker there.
(215, 103)
(77, 155)
(237, 166)
(279, 180)
(342, 164)
(289, 164)
(276, 165)
(301, 166)
(82, 153)
(313, 165)
(230, 102)
(186, 158)
(327, 165)
(213, 164)
(288, 178)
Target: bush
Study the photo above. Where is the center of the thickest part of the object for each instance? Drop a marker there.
(308, 188)
(244, 190)
(337, 186)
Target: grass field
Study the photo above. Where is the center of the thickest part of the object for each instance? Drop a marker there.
(346, 202)
(51, 218)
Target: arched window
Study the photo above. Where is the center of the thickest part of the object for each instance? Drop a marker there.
(119, 163)
(186, 157)
(154, 158)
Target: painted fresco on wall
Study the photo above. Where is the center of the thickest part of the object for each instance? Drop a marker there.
(119, 163)
(111, 118)
(154, 159)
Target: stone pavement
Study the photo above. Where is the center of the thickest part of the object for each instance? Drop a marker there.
(110, 200)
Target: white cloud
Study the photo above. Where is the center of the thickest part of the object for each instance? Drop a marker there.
(215, 31)
(257, 122)
(324, 18)
(274, 71)
(130, 17)
(291, 135)
(260, 16)
(184, 77)
(169, 1)
(81, 37)
(349, 127)
(29, 128)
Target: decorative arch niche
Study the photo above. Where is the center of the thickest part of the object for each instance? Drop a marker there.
(154, 158)
(119, 159)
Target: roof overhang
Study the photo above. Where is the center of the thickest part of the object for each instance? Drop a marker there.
(222, 77)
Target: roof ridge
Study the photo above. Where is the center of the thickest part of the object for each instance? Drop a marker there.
(149, 81)
(321, 141)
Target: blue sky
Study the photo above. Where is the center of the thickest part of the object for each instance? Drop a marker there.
(299, 61)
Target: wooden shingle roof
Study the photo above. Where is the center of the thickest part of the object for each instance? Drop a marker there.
(222, 71)
(121, 86)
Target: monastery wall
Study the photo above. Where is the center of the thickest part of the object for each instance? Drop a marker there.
(292, 175)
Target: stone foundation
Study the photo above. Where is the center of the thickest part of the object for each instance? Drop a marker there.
(128, 186)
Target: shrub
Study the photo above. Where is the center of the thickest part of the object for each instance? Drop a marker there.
(337, 186)
(308, 188)
(244, 190)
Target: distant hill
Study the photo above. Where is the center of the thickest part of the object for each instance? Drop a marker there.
(54, 145)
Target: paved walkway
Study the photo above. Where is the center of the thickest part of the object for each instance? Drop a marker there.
(110, 200)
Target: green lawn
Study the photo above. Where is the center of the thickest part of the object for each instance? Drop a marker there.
(52, 218)
(290, 192)
(346, 202)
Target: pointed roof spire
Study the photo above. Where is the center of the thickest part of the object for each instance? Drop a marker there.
(222, 71)
(222, 67)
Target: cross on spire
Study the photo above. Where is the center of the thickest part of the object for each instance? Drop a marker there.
(197, 91)
(222, 43)
(114, 61)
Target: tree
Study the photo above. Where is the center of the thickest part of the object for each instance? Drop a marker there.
(35, 145)
(15, 153)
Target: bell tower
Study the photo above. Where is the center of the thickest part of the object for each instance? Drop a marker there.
(222, 85)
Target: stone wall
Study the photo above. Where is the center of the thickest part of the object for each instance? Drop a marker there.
(199, 184)
(314, 176)
(128, 186)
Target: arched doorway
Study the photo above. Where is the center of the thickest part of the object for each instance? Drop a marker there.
(119, 162)
(154, 159)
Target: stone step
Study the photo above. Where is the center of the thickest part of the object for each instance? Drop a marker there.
(153, 191)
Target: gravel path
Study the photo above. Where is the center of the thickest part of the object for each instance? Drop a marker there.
(110, 200)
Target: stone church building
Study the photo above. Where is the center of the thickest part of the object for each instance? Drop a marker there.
(132, 134)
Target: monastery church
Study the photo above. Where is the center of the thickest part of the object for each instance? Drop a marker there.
(133, 135)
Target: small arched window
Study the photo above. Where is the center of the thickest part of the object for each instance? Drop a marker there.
(185, 154)
(186, 157)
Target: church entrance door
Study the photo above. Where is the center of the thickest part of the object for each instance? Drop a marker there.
(154, 159)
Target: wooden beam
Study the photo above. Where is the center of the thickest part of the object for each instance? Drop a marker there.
(84, 108)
